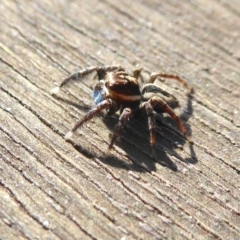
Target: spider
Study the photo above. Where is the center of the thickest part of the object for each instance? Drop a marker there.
(117, 90)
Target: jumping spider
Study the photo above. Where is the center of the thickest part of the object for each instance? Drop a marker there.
(118, 91)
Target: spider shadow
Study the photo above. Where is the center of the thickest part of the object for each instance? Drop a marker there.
(185, 116)
(134, 140)
(68, 101)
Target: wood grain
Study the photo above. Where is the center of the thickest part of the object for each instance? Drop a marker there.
(52, 189)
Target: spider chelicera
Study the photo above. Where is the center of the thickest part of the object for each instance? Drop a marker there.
(116, 90)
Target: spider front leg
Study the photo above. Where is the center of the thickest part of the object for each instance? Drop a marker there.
(83, 73)
(151, 125)
(123, 119)
(160, 106)
(108, 103)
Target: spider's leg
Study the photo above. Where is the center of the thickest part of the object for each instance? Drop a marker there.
(110, 68)
(151, 124)
(83, 73)
(170, 76)
(123, 119)
(160, 106)
(74, 76)
(108, 103)
(137, 72)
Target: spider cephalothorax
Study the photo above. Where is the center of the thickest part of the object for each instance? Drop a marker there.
(118, 91)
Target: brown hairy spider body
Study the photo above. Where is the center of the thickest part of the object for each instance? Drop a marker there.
(118, 91)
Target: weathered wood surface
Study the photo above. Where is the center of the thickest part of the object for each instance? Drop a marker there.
(51, 189)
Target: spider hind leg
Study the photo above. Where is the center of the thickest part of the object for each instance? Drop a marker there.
(154, 76)
(162, 107)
